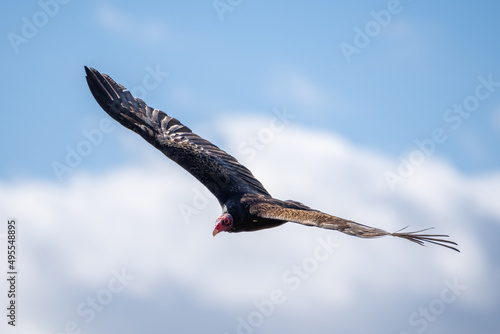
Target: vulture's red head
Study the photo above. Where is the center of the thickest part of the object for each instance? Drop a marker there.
(223, 223)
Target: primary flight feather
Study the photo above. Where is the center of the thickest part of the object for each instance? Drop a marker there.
(246, 204)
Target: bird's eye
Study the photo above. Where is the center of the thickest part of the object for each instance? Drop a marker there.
(226, 222)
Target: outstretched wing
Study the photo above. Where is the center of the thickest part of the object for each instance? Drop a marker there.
(299, 213)
(222, 174)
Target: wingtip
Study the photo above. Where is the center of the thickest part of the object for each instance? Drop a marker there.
(422, 239)
(89, 70)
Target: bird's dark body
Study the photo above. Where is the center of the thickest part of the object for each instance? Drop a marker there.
(240, 209)
(246, 204)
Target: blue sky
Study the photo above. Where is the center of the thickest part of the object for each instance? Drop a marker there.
(386, 112)
(394, 91)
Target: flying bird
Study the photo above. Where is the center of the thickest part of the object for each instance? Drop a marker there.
(246, 204)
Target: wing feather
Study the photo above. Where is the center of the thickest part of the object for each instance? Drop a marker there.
(221, 173)
(296, 212)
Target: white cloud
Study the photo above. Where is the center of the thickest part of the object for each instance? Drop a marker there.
(74, 234)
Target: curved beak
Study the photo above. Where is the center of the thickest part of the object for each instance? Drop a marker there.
(215, 232)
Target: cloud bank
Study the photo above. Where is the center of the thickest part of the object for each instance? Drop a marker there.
(79, 239)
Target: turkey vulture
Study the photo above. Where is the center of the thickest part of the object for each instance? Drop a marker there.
(246, 204)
